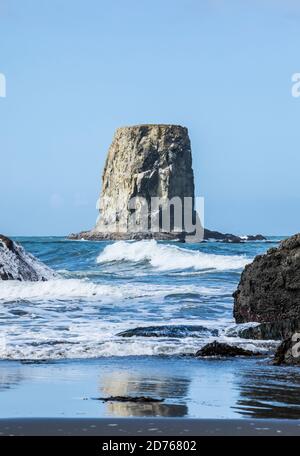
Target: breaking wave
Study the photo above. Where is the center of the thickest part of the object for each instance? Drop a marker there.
(70, 289)
(169, 257)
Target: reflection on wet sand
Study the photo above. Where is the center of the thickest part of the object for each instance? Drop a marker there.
(269, 392)
(122, 383)
(9, 378)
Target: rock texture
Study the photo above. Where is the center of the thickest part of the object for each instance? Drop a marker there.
(224, 350)
(288, 351)
(16, 264)
(278, 330)
(144, 161)
(269, 290)
(169, 331)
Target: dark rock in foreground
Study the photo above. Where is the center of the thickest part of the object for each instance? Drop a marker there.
(269, 288)
(279, 330)
(16, 264)
(224, 350)
(288, 352)
(141, 399)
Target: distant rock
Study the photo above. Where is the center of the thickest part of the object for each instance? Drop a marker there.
(223, 350)
(288, 351)
(221, 237)
(209, 235)
(257, 237)
(269, 291)
(16, 264)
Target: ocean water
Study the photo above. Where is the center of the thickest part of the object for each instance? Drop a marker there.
(65, 342)
(179, 294)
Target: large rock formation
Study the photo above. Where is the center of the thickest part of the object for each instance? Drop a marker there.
(146, 162)
(143, 162)
(16, 264)
(269, 291)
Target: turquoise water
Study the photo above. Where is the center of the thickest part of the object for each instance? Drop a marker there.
(183, 292)
(62, 342)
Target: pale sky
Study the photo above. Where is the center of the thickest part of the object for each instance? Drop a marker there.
(77, 70)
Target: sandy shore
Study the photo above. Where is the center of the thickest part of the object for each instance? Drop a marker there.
(147, 427)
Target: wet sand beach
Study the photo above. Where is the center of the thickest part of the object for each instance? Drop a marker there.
(147, 427)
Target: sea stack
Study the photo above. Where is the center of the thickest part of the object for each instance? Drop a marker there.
(143, 162)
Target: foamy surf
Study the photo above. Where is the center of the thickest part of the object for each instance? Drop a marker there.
(95, 345)
(70, 289)
(88, 307)
(169, 257)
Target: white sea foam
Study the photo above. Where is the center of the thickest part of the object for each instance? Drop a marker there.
(95, 345)
(169, 257)
(70, 289)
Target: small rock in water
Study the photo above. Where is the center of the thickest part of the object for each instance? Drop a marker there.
(169, 331)
(225, 350)
(129, 399)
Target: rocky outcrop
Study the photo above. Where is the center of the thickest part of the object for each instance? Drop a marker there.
(288, 351)
(16, 264)
(269, 290)
(278, 330)
(223, 350)
(169, 331)
(146, 162)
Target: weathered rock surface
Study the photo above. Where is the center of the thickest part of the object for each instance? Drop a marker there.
(224, 350)
(16, 264)
(288, 351)
(169, 331)
(147, 161)
(269, 290)
(278, 330)
(144, 161)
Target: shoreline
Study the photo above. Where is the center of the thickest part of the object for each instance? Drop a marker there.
(147, 427)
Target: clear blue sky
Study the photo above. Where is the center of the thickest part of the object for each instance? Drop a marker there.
(76, 70)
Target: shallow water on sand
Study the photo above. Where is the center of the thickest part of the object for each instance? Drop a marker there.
(192, 388)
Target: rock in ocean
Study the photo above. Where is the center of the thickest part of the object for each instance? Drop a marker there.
(147, 161)
(221, 349)
(269, 291)
(16, 264)
(143, 161)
